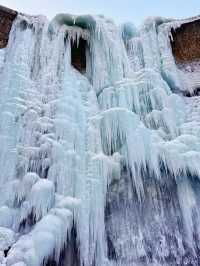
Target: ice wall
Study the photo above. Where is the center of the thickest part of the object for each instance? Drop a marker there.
(95, 164)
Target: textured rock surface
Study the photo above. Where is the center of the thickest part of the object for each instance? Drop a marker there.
(7, 17)
(153, 227)
(186, 44)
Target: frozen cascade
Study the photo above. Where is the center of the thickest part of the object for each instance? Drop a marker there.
(101, 168)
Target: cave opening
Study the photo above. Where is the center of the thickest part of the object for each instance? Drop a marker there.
(78, 55)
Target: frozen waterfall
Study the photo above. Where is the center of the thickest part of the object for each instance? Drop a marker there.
(98, 168)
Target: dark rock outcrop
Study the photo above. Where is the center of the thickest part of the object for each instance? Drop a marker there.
(7, 16)
(186, 42)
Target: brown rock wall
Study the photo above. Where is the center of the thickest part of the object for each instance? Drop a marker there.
(7, 17)
(186, 42)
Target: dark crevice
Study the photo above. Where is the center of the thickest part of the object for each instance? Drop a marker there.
(70, 255)
(23, 25)
(6, 251)
(195, 93)
(27, 223)
(111, 249)
(78, 55)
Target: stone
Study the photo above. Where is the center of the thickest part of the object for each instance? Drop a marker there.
(186, 42)
(7, 16)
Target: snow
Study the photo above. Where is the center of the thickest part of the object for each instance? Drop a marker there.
(66, 137)
(41, 197)
(189, 74)
(7, 238)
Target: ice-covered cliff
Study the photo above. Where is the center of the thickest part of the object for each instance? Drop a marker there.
(99, 145)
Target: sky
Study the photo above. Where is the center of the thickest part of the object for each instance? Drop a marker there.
(120, 10)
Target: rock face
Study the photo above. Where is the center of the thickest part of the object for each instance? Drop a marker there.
(186, 44)
(154, 227)
(7, 17)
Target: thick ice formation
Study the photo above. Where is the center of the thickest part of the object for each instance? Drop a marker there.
(68, 142)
